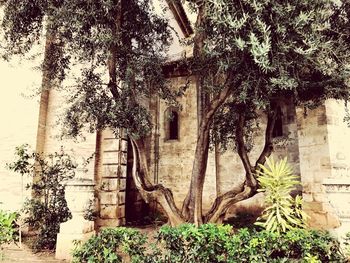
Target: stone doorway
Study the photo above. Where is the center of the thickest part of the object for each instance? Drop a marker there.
(136, 210)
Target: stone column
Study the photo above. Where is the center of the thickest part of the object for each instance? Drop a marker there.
(79, 193)
(315, 167)
(111, 183)
(338, 182)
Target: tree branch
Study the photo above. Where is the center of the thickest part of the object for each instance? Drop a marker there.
(221, 97)
(224, 202)
(242, 152)
(268, 147)
(112, 59)
(162, 195)
(201, 153)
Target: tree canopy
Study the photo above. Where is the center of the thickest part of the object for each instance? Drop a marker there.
(294, 49)
(119, 46)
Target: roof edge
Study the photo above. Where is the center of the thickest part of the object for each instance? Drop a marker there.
(180, 16)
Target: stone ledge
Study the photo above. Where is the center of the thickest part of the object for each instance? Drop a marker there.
(337, 185)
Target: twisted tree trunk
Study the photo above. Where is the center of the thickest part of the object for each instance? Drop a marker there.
(163, 196)
(192, 210)
(149, 192)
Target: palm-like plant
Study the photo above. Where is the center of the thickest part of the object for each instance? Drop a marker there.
(283, 212)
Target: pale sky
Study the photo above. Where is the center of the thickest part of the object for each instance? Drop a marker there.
(17, 109)
(19, 120)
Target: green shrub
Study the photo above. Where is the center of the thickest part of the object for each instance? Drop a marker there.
(217, 243)
(188, 243)
(47, 209)
(210, 243)
(111, 245)
(8, 228)
(297, 245)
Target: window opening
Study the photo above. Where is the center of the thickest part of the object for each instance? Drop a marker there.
(278, 128)
(173, 125)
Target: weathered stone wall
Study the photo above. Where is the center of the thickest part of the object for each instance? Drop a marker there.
(176, 156)
(315, 166)
(224, 170)
(337, 184)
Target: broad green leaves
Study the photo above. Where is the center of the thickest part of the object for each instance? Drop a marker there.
(8, 229)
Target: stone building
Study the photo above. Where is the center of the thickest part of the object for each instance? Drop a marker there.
(317, 145)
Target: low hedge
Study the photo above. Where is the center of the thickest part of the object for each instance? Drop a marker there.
(210, 243)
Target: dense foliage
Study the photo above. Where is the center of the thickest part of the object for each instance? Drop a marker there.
(110, 245)
(210, 243)
(293, 49)
(118, 46)
(250, 54)
(47, 207)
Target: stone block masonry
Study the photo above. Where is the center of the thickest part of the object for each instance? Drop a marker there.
(111, 182)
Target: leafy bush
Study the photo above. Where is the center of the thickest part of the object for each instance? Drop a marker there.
(8, 227)
(297, 245)
(283, 212)
(111, 245)
(210, 243)
(217, 243)
(189, 243)
(47, 208)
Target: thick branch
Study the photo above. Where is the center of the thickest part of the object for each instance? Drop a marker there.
(163, 196)
(192, 206)
(112, 59)
(201, 154)
(268, 147)
(141, 156)
(242, 152)
(225, 201)
(215, 208)
(221, 97)
(255, 205)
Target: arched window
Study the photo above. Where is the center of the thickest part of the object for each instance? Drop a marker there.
(171, 124)
(278, 128)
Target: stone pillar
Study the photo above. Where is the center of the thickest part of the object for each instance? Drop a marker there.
(315, 167)
(112, 181)
(79, 193)
(338, 182)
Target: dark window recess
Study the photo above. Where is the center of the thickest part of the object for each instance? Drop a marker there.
(174, 126)
(278, 128)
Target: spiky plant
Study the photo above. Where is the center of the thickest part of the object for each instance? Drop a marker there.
(283, 212)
